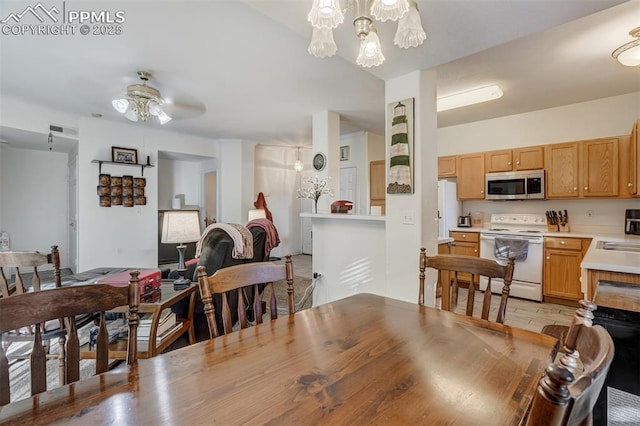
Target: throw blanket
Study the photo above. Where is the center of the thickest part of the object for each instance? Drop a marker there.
(242, 239)
(272, 239)
(506, 248)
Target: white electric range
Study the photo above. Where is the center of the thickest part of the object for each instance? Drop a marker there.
(521, 235)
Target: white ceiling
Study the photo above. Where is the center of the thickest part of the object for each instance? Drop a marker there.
(245, 64)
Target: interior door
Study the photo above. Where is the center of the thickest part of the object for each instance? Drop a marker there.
(348, 177)
(72, 177)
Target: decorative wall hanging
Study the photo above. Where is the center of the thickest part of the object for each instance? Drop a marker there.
(344, 153)
(401, 147)
(124, 155)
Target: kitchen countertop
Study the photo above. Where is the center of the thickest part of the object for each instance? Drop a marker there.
(611, 260)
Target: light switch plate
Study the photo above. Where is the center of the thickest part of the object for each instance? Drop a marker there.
(408, 217)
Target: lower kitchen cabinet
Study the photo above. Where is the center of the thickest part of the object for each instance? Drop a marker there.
(467, 244)
(562, 258)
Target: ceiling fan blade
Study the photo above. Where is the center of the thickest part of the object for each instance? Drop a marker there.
(179, 111)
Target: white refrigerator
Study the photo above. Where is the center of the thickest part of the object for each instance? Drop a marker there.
(448, 207)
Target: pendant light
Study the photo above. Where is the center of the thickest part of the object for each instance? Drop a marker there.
(297, 166)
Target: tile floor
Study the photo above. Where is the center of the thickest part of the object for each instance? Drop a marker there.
(520, 313)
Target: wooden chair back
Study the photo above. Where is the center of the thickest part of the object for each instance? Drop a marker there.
(67, 302)
(26, 262)
(448, 267)
(241, 279)
(568, 392)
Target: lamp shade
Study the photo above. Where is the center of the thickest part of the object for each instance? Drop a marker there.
(180, 227)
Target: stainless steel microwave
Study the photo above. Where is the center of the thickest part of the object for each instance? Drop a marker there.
(524, 185)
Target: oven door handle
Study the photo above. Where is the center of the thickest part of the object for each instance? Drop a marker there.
(532, 241)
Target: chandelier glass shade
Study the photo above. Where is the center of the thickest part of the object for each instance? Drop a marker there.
(629, 53)
(325, 15)
(298, 166)
(142, 102)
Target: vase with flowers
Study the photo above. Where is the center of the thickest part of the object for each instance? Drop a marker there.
(318, 187)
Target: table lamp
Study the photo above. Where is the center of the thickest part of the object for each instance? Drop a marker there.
(179, 227)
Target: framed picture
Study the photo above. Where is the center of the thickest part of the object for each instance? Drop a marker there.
(400, 171)
(124, 155)
(344, 153)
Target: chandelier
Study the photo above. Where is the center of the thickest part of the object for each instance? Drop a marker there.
(142, 102)
(325, 15)
(629, 53)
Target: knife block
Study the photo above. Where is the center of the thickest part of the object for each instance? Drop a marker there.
(551, 227)
(563, 228)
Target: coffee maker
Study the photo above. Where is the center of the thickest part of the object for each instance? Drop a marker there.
(632, 222)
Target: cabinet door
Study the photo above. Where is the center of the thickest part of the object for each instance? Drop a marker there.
(529, 158)
(447, 166)
(562, 274)
(377, 171)
(466, 249)
(499, 161)
(470, 170)
(600, 168)
(561, 162)
(627, 163)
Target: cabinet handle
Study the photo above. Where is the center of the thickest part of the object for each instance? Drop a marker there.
(586, 188)
(475, 250)
(464, 235)
(482, 192)
(518, 163)
(629, 184)
(548, 257)
(575, 188)
(562, 242)
(508, 163)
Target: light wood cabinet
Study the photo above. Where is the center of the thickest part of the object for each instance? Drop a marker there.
(443, 248)
(629, 163)
(377, 184)
(447, 166)
(562, 258)
(470, 171)
(507, 160)
(466, 244)
(600, 168)
(562, 178)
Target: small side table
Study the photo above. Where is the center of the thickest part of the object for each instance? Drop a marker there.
(118, 350)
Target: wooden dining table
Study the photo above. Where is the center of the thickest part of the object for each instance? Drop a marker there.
(365, 359)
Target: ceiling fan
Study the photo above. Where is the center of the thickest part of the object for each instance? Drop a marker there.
(143, 102)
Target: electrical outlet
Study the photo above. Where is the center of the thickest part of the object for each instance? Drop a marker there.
(589, 213)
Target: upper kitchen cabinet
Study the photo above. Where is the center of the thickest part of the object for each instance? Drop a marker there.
(629, 163)
(561, 162)
(447, 166)
(600, 168)
(507, 160)
(470, 172)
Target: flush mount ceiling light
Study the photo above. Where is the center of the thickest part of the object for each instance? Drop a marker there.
(629, 54)
(469, 97)
(325, 15)
(142, 102)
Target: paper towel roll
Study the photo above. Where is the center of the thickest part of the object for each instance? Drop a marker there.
(176, 203)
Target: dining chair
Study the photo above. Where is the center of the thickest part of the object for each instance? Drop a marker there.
(448, 267)
(243, 281)
(67, 302)
(572, 383)
(28, 263)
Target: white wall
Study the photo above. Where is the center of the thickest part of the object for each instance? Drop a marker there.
(588, 120)
(34, 194)
(119, 236)
(180, 178)
(278, 181)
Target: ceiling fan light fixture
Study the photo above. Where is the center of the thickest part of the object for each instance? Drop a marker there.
(120, 105)
(370, 54)
(385, 10)
(325, 14)
(410, 32)
(141, 102)
(469, 97)
(629, 53)
(322, 44)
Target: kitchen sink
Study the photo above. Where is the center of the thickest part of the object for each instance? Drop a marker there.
(619, 246)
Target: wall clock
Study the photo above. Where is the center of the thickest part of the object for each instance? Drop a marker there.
(319, 161)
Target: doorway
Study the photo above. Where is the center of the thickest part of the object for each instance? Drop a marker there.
(348, 185)
(72, 173)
